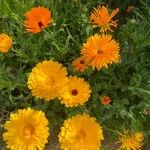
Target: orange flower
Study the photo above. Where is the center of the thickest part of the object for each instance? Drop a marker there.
(105, 100)
(79, 64)
(37, 19)
(100, 50)
(101, 17)
(5, 43)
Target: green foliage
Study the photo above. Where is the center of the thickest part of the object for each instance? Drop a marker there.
(127, 83)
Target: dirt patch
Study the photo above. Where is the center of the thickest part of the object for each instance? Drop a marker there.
(146, 146)
(53, 141)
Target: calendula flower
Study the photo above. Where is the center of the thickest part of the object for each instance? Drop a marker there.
(101, 17)
(100, 50)
(46, 79)
(105, 100)
(37, 19)
(81, 132)
(5, 43)
(139, 136)
(76, 92)
(131, 141)
(79, 64)
(27, 129)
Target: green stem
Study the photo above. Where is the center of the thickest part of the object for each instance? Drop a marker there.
(116, 132)
(92, 75)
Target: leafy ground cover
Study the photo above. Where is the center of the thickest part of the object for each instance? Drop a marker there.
(125, 83)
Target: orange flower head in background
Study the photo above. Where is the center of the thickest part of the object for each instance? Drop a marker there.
(101, 17)
(37, 19)
(79, 64)
(81, 132)
(5, 43)
(27, 129)
(105, 100)
(100, 50)
(130, 141)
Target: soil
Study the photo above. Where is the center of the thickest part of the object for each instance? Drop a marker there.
(146, 146)
(53, 141)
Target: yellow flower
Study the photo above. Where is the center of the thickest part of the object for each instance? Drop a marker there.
(79, 64)
(100, 50)
(101, 17)
(81, 132)
(27, 129)
(5, 43)
(75, 92)
(46, 79)
(131, 141)
(139, 136)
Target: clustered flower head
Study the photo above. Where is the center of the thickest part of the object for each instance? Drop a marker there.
(46, 79)
(100, 16)
(100, 50)
(130, 141)
(81, 132)
(76, 92)
(5, 43)
(27, 129)
(37, 19)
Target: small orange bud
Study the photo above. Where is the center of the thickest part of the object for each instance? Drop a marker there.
(79, 64)
(105, 100)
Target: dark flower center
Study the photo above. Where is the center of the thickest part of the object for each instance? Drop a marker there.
(81, 61)
(28, 131)
(80, 135)
(99, 51)
(74, 92)
(40, 24)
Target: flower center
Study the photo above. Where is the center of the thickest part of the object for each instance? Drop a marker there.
(40, 24)
(130, 141)
(81, 61)
(50, 81)
(74, 92)
(28, 131)
(99, 51)
(80, 135)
